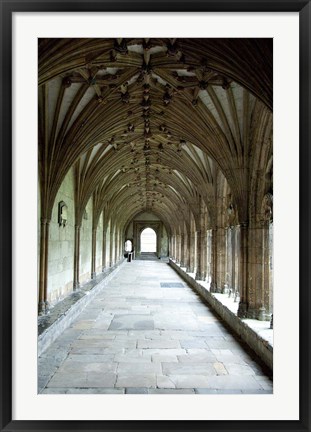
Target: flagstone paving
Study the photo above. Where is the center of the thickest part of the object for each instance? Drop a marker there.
(148, 332)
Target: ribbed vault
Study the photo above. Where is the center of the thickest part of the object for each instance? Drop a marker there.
(143, 110)
(155, 125)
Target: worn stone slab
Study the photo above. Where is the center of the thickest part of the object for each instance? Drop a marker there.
(193, 343)
(164, 358)
(111, 344)
(138, 369)
(159, 343)
(197, 358)
(239, 369)
(189, 381)
(220, 369)
(137, 381)
(71, 366)
(232, 382)
(163, 351)
(132, 322)
(89, 358)
(188, 369)
(83, 380)
(164, 381)
(97, 350)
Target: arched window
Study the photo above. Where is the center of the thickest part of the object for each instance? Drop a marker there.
(148, 240)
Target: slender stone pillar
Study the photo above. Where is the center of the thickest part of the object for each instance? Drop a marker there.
(182, 249)
(213, 286)
(104, 249)
(93, 265)
(266, 291)
(201, 256)
(178, 249)
(228, 267)
(43, 266)
(174, 247)
(192, 251)
(187, 252)
(199, 264)
(255, 271)
(111, 254)
(76, 258)
(243, 274)
(117, 246)
(209, 255)
(236, 261)
(221, 259)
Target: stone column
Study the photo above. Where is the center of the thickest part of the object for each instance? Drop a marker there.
(43, 266)
(228, 264)
(111, 255)
(187, 252)
(221, 259)
(76, 258)
(93, 265)
(174, 247)
(182, 249)
(214, 256)
(201, 256)
(192, 251)
(266, 288)
(178, 248)
(209, 255)
(243, 273)
(236, 261)
(255, 267)
(104, 249)
(116, 242)
(199, 264)
(121, 246)
(232, 286)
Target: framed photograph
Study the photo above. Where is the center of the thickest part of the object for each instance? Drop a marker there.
(175, 97)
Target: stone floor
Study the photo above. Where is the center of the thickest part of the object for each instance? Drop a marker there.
(148, 332)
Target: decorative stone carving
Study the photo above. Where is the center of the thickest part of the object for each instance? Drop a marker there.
(267, 208)
(62, 213)
(231, 212)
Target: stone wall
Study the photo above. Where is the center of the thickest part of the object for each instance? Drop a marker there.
(61, 245)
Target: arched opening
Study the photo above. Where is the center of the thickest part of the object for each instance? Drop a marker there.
(148, 240)
(128, 246)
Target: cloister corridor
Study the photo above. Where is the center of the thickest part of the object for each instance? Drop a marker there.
(147, 332)
(171, 136)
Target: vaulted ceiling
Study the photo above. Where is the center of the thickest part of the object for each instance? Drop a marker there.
(147, 123)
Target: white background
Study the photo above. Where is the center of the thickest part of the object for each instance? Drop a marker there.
(284, 403)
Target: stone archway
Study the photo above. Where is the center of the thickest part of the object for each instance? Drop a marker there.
(148, 240)
(139, 227)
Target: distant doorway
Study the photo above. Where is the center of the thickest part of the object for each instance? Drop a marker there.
(128, 246)
(148, 240)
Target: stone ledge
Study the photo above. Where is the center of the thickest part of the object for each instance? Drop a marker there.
(259, 345)
(66, 311)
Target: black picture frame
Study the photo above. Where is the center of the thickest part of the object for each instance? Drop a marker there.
(7, 9)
